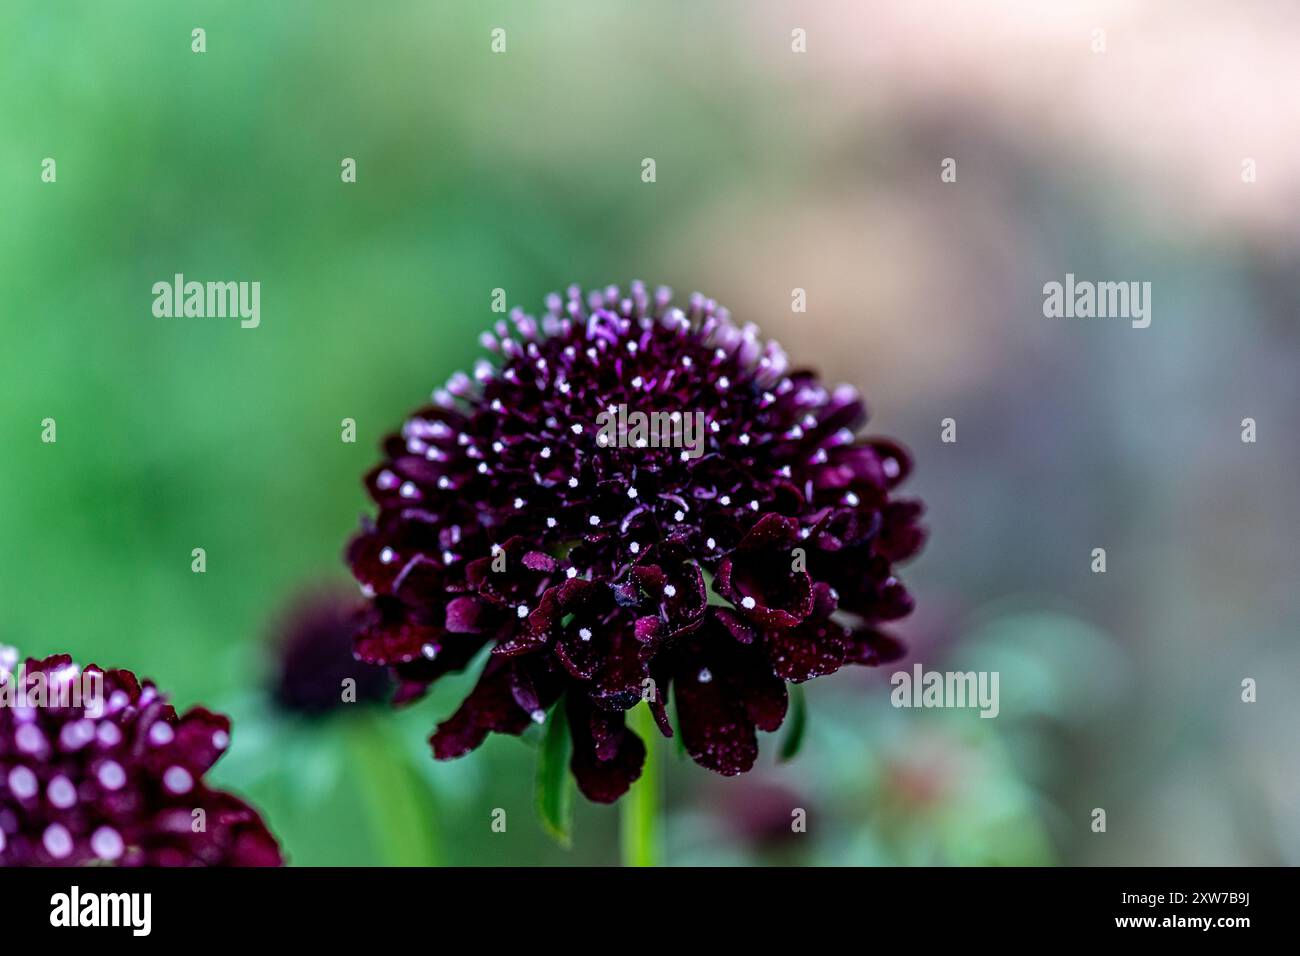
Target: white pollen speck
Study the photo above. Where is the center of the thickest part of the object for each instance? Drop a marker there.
(522, 610)
(58, 841)
(725, 500)
(61, 792)
(851, 499)
(498, 447)
(108, 734)
(576, 428)
(753, 506)
(77, 734)
(571, 573)
(407, 490)
(444, 482)
(23, 783)
(519, 502)
(594, 520)
(161, 734)
(744, 439)
(723, 382)
(482, 468)
(429, 651)
(711, 544)
(573, 482)
(686, 361)
(550, 522)
(715, 427)
(539, 716)
(584, 633)
(546, 452)
(679, 515)
(638, 382)
(669, 590)
(705, 675)
(631, 492)
(29, 738)
(106, 844)
(634, 547)
(748, 603)
(177, 780)
(386, 556)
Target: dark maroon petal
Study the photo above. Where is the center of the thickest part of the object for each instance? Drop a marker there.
(845, 527)
(762, 578)
(716, 728)
(619, 681)
(813, 649)
(607, 757)
(672, 592)
(735, 625)
(900, 535)
(451, 655)
(390, 634)
(579, 653)
(765, 695)
(490, 706)
(872, 647)
(236, 835)
(896, 462)
(658, 701)
(466, 615)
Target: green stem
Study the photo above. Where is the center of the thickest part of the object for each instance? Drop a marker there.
(399, 806)
(639, 831)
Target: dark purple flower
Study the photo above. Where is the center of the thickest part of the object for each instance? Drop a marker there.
(746, 538)
(96, 767)
(315, 657)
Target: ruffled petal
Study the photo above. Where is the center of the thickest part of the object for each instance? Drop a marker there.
(607, 757)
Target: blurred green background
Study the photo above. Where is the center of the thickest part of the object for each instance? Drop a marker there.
(776, 170)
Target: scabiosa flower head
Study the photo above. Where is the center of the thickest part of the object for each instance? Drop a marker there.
(604, 561)
(315, 656)
(97, 767)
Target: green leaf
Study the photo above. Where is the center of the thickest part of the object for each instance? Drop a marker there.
(554, 782)
(798, 724)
